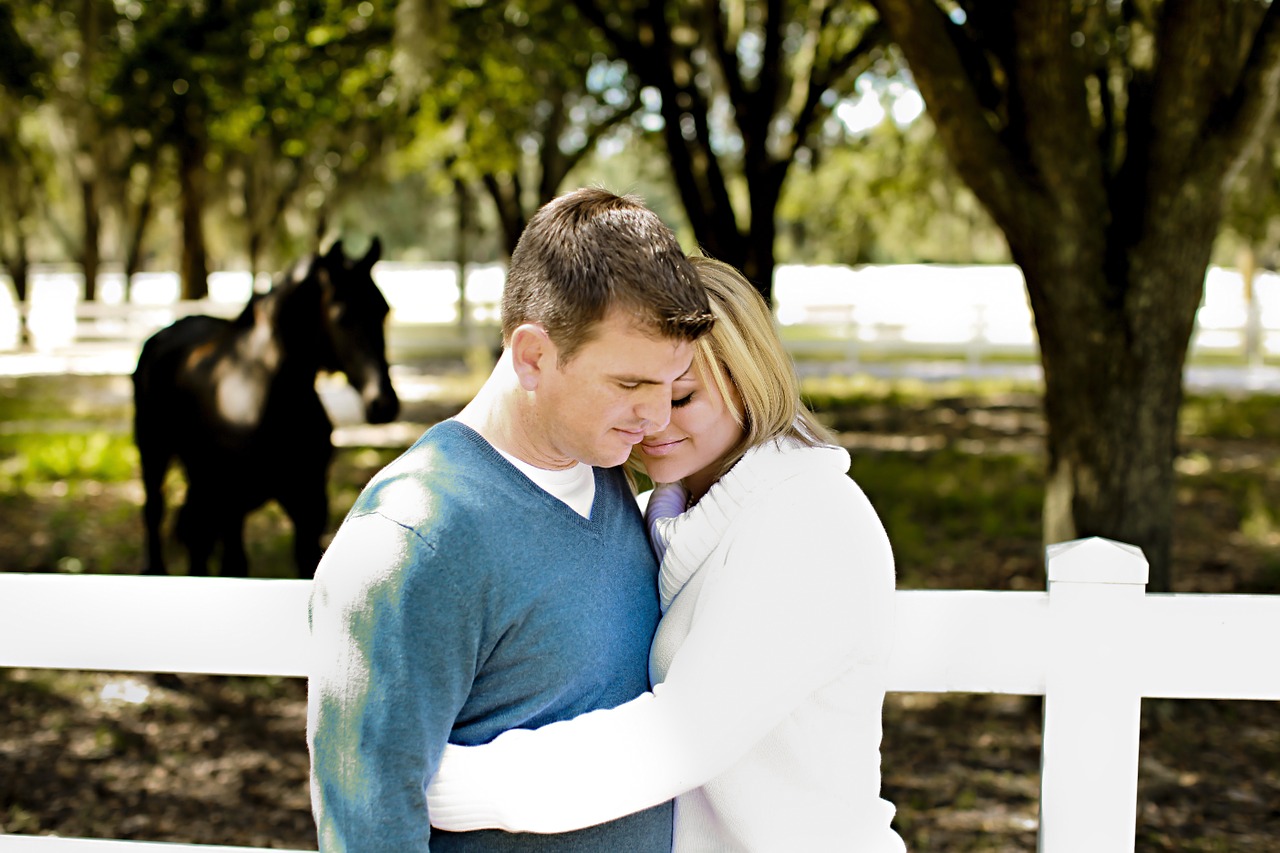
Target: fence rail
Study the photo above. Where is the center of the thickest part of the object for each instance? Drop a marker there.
(1094, 644)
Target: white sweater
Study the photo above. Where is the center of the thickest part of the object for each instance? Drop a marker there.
(769, 671)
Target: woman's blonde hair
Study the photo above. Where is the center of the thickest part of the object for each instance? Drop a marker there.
(743, 353)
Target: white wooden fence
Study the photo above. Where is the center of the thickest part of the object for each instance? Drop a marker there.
(834, 313)
(1093, 645)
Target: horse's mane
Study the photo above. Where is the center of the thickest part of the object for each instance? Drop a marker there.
(281, 284)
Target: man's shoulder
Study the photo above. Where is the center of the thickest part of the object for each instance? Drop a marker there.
(444, 470)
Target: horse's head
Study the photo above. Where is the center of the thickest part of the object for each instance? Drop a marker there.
(354, 315)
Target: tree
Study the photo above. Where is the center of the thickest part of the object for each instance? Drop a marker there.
(308, 122)
(884, 195)
(21, 165)
(512, 97)
(172, 77)
(1102, 137)
(76, 47)
(740, 87)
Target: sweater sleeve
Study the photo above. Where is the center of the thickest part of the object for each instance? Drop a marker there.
(666, 501)
(803, 596)
(391, 666)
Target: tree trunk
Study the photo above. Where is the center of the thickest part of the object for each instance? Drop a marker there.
(704, 192)
(1114, 309)
(20, 272)
(137, 235)
(194, 268)
(505, 190)
(1111, 402)
(760, 260)
(462, 252)
(92, 223)
(255, 253)
(775, 99)
(1253, 331)
(88, 160)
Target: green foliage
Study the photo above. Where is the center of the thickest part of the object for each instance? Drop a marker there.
(1216, 416)
(1252, 217)
(21, 64)
(943, 508)
(856, 390)
(893, 197)
(309, 107)
(288, 97)
(511, 94)
(633, 161)
(74, 459)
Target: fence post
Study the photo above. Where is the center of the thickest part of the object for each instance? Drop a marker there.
(977, 344)
(1092, 707)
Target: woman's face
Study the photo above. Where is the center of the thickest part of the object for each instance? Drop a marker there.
(701, 433)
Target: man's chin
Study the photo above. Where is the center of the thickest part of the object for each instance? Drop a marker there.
(610, 459)
(612, 462)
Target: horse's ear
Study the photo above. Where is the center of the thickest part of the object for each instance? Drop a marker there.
(335, 251)
(371, 256)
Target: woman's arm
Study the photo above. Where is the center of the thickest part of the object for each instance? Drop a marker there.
(804, 596)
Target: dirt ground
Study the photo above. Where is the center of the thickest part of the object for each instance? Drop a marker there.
(223, 760)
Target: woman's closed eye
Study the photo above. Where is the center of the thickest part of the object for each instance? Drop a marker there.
(681, 402)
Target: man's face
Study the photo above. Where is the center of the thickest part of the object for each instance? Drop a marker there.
(613, 392)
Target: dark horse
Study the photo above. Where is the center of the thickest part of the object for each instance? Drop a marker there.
(235, 401)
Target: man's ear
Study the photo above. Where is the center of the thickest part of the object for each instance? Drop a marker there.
(531, 353)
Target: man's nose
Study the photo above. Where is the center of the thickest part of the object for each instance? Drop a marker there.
(655, 409)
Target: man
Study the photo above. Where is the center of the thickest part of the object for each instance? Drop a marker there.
(491, 577)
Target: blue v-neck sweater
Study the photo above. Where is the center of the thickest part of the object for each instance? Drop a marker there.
(459, 600)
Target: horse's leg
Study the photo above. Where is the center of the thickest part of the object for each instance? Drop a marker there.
(153, 514)
(235, 560)
(195, 530)
(309, 513)
(306, 502)
(155, 453)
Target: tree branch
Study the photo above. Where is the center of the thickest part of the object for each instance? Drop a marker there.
(1052, 113)
(596, 134)
(873, 38)
(1238, 127)
(726, 48)
(1183, 90)
(772, 74)
(628, 45)
(979, 155)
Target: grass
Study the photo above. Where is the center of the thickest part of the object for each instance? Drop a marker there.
(73, 459)
(943, 509)
(1255, 417)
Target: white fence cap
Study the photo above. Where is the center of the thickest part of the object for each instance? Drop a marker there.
(1096, 560)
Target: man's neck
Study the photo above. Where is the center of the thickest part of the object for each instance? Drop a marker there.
(503, 413)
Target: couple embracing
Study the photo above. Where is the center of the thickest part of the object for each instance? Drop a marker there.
(510, 647)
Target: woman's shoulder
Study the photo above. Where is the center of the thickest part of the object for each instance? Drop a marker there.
(805, 486)
(775, 463)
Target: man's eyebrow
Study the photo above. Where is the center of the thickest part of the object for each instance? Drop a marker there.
(631, 379)
(635, 380)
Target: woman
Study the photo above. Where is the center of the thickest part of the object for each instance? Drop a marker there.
(776, 586)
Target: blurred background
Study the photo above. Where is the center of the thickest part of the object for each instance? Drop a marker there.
(1014, 249)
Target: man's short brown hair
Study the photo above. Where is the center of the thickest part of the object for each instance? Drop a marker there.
(591, 251)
